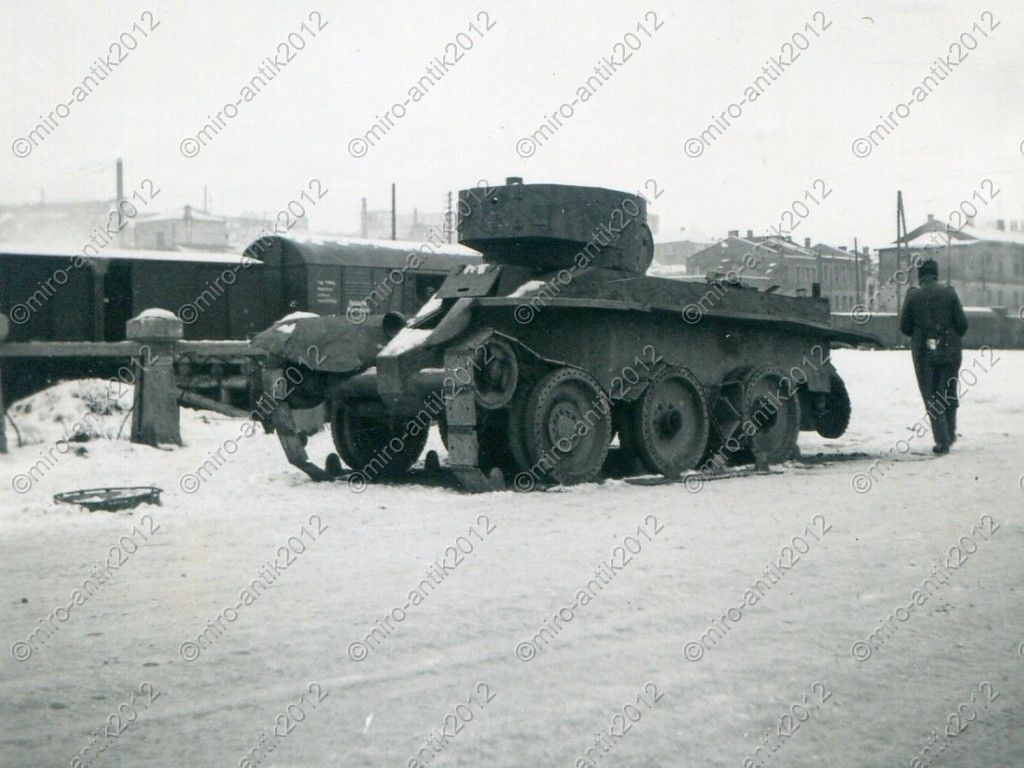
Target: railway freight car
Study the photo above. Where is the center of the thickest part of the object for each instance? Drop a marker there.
(55, 295)
(358, 277)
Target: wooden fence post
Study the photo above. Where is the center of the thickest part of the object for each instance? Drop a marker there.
(3, 409)
(155, 417)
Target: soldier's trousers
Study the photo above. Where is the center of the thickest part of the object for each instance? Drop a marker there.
(938, 385)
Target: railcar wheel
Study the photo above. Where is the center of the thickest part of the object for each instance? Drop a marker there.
(568, 426)
(670, 422)
(834, 418)
(372, 442)
(771, 414)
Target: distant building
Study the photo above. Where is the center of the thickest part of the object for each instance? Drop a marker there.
(246, 229)
(192, 229)
(839, 277)
(985, 265)
(65, 225)
(779, 261)
(676, 252)
(417, 226)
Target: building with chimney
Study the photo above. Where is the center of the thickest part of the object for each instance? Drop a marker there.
(192, 230)
(778, 261)
(984, 264)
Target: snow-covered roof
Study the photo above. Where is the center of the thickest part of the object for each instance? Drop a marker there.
(994, 235)
(210, 257)
(447, 249)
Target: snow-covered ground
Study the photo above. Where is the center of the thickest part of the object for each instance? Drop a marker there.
(610, 634)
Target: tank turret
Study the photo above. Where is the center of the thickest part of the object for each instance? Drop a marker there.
(545, 227)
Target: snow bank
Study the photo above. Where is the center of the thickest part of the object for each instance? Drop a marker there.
(82, 410)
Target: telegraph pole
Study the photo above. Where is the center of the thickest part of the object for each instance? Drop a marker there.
(901, 219)
(393, 220)
(856, 272)
(448, 216)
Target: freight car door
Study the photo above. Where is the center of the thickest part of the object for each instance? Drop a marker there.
(117, 300)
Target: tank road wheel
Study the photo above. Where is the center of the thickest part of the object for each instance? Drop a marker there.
(833, 419)
(371, 441)
(340, 445)
(773, 412)
(517, 430)
(568, 426)
(670, 422)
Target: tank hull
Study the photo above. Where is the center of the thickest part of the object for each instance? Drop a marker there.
(535, 361)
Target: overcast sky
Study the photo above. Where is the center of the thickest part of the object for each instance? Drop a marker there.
(861, 60)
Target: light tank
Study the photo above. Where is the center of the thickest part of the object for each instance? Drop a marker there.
(533, 362)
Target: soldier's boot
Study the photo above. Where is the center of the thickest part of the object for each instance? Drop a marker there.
(940, 431)
(951, 424)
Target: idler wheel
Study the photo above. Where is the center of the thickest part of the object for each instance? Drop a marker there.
(370, 441)
(834, 418)
(496, 373)
(669, 423)
(568, 426)
(772, 412)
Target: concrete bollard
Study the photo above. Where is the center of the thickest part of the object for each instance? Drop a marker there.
(155, 418)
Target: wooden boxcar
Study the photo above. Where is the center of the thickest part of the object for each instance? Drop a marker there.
(329, 277)
(53, 295)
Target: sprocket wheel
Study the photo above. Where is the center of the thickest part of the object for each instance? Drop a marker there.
(669, 423)
(568, 426)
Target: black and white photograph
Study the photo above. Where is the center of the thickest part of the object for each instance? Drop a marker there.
(446, 385)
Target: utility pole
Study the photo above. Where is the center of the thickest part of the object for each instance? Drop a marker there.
(856, 272)
(393, 214)
(362, 220)
(448, 216)
(949, 259)
(117, 203)
(120, 182)
(901, 221)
